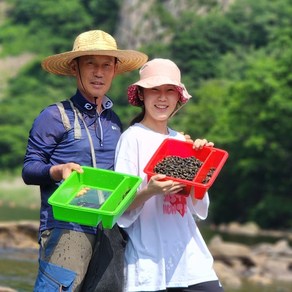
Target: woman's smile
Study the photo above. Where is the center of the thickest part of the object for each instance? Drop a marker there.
(161, 107)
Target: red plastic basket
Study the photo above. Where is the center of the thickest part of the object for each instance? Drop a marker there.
(210, 156)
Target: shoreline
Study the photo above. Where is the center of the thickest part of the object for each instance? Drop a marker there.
(235, 263)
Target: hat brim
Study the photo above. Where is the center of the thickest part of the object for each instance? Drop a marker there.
(134, 99)
(154, 81)
(151, 82)
(129, 60)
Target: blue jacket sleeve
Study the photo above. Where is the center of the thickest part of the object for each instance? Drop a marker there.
(44, 135)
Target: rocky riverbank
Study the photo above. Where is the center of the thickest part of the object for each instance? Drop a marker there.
(263, 263)
(235, 263)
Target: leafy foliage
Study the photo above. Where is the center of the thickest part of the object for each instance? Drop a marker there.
(43, 27)
(236, 64)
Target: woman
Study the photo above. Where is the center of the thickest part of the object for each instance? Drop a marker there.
(165, 251)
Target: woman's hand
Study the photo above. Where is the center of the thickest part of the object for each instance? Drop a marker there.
(157, 185)
(187, 137)
(200, 143)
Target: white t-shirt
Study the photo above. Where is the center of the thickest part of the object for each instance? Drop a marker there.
(165, 247)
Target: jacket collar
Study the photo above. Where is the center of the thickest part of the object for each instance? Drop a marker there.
(90, 108)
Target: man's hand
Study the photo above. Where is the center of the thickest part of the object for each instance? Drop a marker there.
(62, 171)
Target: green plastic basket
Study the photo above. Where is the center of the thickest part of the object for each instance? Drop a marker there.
(94, 196)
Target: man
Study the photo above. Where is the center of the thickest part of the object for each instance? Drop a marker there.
(64, 137)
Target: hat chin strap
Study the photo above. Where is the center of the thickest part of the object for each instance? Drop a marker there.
(81, 81)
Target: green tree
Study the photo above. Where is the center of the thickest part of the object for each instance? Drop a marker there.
(236, 64)
(258, 116)
(42, 27)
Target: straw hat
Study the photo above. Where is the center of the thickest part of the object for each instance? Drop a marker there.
(94, 42)
(155, 73)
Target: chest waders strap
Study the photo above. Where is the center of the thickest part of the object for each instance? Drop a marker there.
(66, 121)
(77, 134)
(77, 128)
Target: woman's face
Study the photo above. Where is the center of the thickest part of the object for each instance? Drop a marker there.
(94, 75)
(160, 101)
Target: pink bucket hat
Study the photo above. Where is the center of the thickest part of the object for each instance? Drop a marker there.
(155, 73)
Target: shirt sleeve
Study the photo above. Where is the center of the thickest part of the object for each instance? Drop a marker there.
(126, 162)
(201, 207)
(44, 135)
(125, 155)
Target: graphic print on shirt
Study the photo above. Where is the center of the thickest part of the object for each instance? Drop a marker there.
(174, 203)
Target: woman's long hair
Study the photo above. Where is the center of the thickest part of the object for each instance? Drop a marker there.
(139, 117)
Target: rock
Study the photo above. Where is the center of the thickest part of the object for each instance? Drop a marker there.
(219, 248)
(277, 267)
(258, 279)
(227, 276)
(6, 289)
(274, 260)
(19, 234)
(262, 264)
(249, 228)
(282, 247)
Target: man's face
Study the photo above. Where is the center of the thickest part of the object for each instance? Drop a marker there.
(94, 75)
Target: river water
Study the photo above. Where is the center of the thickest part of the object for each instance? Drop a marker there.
(18, 268)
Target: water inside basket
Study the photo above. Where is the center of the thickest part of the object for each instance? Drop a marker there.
(90, 197)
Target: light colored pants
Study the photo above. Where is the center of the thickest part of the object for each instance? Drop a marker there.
(64, 259)
(75, 261)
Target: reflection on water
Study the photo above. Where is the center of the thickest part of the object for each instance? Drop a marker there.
(90, 198)
(15, 214)
(18, 269)
(276, 287)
